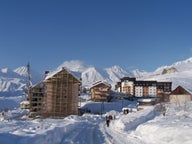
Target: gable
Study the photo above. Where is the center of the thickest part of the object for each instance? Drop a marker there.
(76, 75)
(101, 84)
(180, 91)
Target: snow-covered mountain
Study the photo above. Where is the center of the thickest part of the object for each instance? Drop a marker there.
(90, 74)
(13, 82)
(35, 76)
(179, 73)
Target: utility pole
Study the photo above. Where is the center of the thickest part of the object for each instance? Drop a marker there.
(28, 78)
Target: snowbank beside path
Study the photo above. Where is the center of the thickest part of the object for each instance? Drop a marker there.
(131, 120)
(173, 128)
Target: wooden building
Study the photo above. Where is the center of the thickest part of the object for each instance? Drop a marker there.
(57, 95)
(180, 96)
(100, 91)
(61, 93)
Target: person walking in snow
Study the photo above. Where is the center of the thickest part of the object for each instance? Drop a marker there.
(107, 121)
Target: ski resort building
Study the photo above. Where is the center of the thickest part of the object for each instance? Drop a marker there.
(100, 91)
(57, 96)
(143, 88)
(127, 85)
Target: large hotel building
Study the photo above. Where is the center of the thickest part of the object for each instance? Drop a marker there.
(130, 85)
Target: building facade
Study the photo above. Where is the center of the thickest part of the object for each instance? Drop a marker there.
(100, 91)
(143, 88)
(127, 85)
(56, 96)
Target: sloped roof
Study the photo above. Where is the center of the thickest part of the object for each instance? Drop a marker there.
(180, 91)
(100, 82)
(40, 84)
(74, 74)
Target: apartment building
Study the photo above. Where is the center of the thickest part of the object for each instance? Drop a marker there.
(143, 88)
(127, 85)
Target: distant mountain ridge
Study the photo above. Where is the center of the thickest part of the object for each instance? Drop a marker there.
(13, 82)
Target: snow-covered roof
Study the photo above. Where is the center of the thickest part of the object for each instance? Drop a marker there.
(75, 74)
(100, 82)
(25, 102)
(146, 100)
(180, 90)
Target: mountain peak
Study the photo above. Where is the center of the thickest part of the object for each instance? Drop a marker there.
(4, 70)
(22, 70)
(74, 65)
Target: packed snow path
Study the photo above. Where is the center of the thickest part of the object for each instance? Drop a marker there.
(84, 134)
(113, 136)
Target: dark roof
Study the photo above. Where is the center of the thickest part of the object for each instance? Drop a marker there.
(163, 83)
(180, 91)
(128, 78)
(145, 83)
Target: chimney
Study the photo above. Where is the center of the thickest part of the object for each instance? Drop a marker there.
(46, 73)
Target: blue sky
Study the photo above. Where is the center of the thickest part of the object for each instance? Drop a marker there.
(143, 34)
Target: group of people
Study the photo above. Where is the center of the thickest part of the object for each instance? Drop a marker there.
(108, 119)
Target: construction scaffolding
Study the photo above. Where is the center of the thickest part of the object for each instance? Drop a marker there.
(61, 94)
(56, 96)
(37, 99)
